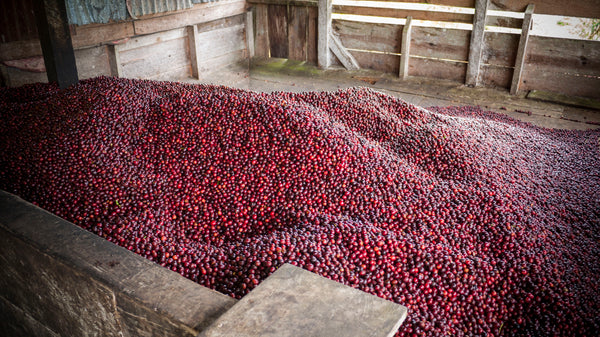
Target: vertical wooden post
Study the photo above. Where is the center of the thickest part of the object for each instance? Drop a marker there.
(192, 32)
(476, 46)
(522, 51)
(324, 31)
(55, 38)
(250, 34)
(113, 60)
(405, 49)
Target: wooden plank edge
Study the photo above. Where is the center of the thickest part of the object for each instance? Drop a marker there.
(576, 101)
(522, 50)
(348, 61)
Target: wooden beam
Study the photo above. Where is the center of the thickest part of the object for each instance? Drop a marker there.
(476, 46)
(324, 33)
(192, 34)
(405, 49)
(114, 61)
(55, 38)
(522, 51)
(342, 54)
(250, 34)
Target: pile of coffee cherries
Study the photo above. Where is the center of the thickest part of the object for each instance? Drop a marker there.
(480, 224)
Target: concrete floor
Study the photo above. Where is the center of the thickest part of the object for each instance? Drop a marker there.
(284, 75)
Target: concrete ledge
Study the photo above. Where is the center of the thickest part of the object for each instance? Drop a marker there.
(58, 279)
(295, 302)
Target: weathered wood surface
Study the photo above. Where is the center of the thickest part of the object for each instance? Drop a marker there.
(342, 54)
(192, 35)
(250, 33)
(476, 44)
(453, 71)
(324, 30)
(522, 50)
(495, 77)
(92, 62)
(20, 50)
(261, 41)
(438, 43)
(405, 50)
(278, 31)
(216, 63)
(588, 9)
(94, 34)
(299, 3)
(500, 49)
(203, 12)
(297, 32)
(230, 39)
(366, 36)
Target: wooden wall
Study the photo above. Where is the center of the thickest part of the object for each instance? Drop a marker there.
(284, 29)
(152, 47)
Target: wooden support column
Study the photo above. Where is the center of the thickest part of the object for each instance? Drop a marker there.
(405, 49)
(192, 33)
(113, 60)
(55, 38)
(522, 51)
(250, 34)
(324, 33)
(476, 46)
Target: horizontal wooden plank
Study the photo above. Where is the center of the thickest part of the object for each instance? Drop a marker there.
(398, 13)
(299, 3)
(151, 60)
(92, 62)
(367, 36)
(94, 34)
(554, 79)
(216, 63)
(437, 69)
(380, 62)
(229, 39)
(200, 13)
(587, 9)
(20, 49)
(153, 39)
(495, 77)
(500, 49)
(16, 77)
(574, 56)
(222, 23)
(440, 43)
(172, 74)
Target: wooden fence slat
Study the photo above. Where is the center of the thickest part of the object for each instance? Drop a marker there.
(297, 32)
(311, 40)
(324, 32)
(405, 51)
(278, 31)
(262, 31)
(114, 60)
(522, 51)
(476, 46)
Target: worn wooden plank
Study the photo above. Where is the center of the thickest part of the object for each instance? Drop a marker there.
(92, 62)
(405, 50)
(500, 49)
(338, 49)
(298, 3)
(556, 79)
(278, 31)
(17, 77)
(324, 32)
(94, 34)
(522, 50)
(192, 35)
(381, 62)
(297, 32)
(564, 99)
(437, 69)
(587, 9)
(250, 33)
(400, 13)
(20, 49)
(311, 39)
(448, 44)
(496, 77)
(179, 72)
(153, 39)
(367, 36)
(149, 61)
(55, 38)
(216, 63)
(575, 56)
(262, 31)
(476, 44)
(200, 13)
(222, 23)
(230, 39)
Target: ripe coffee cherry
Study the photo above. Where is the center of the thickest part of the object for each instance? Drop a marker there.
(482, 225)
